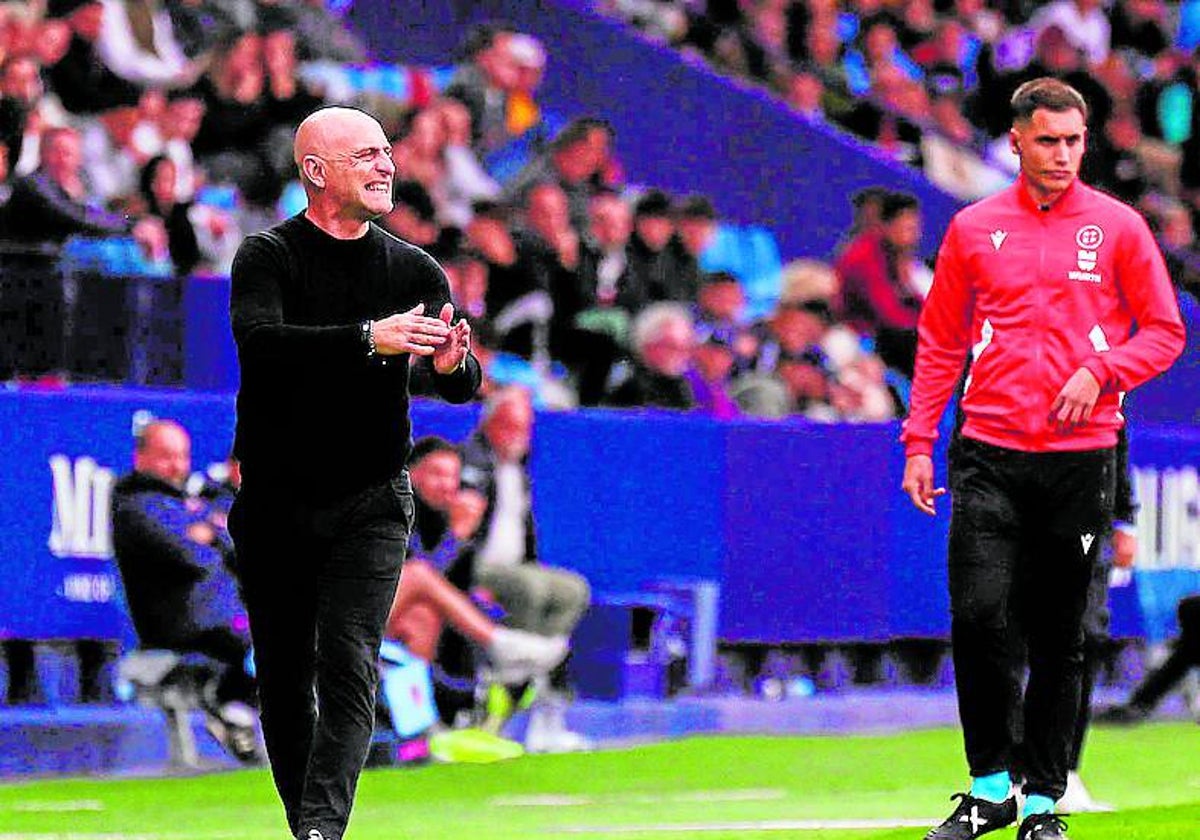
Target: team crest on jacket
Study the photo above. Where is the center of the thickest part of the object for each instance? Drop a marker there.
(1089, 238)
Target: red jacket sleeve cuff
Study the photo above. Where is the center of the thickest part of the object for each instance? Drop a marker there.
(1098, 369)
(918, 447)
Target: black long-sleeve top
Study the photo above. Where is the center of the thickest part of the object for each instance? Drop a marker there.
(315, 415)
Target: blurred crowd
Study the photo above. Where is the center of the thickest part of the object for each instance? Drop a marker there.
(927, 82)
(168, 123)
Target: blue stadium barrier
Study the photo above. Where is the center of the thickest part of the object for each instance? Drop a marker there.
(801, 525)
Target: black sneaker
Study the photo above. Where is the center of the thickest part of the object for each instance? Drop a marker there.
(974, 817)
(1042, 827)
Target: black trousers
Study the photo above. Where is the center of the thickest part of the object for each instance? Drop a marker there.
(318, 582)
(1025, 534)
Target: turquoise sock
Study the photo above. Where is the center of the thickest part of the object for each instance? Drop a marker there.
(1037, 804)
(993, 787)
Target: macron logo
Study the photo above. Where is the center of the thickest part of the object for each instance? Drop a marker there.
(998, 237)
(1086, 540)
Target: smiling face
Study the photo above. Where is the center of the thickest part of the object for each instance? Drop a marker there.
(1050, 145)
(345, 161)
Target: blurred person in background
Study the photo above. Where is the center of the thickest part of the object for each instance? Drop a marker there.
(876, 274)
(654, 258)
(425, 600)
(483, 83)
(502, 558)
(556, 250)
(577, 160)
(177, 566)
(518, 300)
(84, 83)
(466, 181)
(662, 340)
(607, 282)
(55, 202)
(711, 371)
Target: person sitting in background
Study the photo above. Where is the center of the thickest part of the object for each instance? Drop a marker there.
(713, 364)
(720, 308)
(425, 600)
(663, 337)
(609, 290)
(157, 189)
(653, 260)
(176, 562)
(82, 80)
(502, 559)
(577, 161)
(880, 282)
(483, 84)
(53, 203)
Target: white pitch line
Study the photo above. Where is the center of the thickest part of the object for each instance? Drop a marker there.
(52, 806)
(761, 826)
(563, 800)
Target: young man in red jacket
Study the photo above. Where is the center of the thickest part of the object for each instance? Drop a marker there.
(1043, 283)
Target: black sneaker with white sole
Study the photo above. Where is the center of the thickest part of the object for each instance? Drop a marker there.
(974, 817)
(1042, 827)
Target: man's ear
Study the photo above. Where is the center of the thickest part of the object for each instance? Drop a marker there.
(314, 170)
(1014, 141)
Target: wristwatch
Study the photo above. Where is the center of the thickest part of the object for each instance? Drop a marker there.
(368, 339)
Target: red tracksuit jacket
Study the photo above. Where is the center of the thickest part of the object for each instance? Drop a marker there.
(1034, 295)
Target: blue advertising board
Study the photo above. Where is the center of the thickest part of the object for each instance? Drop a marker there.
(801, 524)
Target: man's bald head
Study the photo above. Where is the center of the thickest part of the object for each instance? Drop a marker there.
(345, 164)
(328, 131)
(164, 450)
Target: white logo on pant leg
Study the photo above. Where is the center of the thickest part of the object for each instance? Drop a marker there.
(315, 835)
(1086, 540)
(974, 819)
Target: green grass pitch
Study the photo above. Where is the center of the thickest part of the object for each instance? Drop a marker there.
(706, 787)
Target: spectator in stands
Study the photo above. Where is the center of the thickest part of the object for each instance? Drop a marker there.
(877, 274)
(176, 563)
(523, 112)
(1163, 678)
(445, 517)
(1114, 161)
(289, 100)
(466, 272)
(137, 42)
(654, 257)
(465, 181)
(483, 84)
(157, 191)
(178, 129)
(695, 224)
(1084, 23)
(54, 203)
(608, 288)
(236, 128)
(663, 338)
(556, 250)
(578, 161)
(82, 80)
(25, 111)
(518, 300)
(503, 559)
(711, 370)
